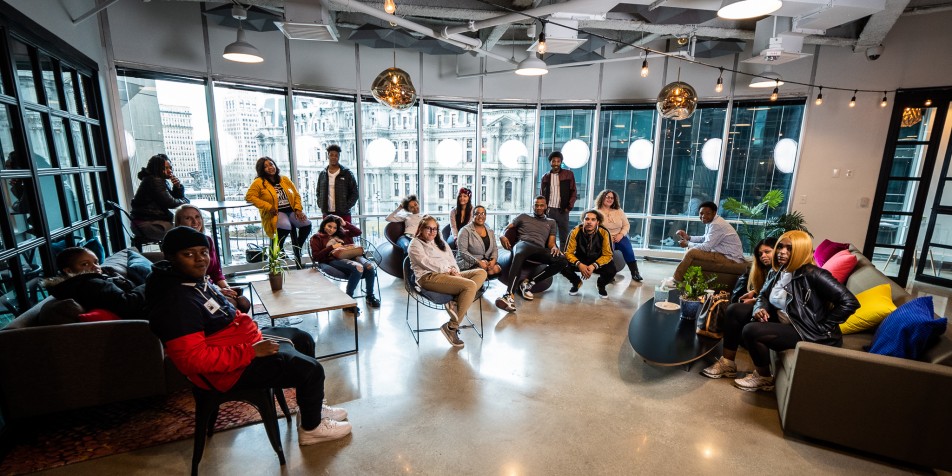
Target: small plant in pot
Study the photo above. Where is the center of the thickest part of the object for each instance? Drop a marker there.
(275, 265)
(692, 287)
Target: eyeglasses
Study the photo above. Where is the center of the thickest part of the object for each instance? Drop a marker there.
(781, 246)
(434, 229)
(479, 214)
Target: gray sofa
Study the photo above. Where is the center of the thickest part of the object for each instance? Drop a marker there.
(50, 362)
(887, 406)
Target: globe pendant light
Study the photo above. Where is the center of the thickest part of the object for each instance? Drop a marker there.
(393, 88)
(677, 100)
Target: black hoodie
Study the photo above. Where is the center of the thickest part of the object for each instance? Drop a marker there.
(99, 291)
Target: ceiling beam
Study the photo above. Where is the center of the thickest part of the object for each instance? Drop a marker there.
(494, 35)
(879, 25)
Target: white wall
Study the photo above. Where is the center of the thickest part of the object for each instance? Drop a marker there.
(57, 18)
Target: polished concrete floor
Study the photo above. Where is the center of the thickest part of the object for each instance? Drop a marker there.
(554, 388)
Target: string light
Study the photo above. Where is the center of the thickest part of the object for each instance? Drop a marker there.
(644, 67)
(883, 103)
(853, 99)
(775, 93)
(389, 6)
(541, 48)
(720, 81)
(928, 102)
(819, 97)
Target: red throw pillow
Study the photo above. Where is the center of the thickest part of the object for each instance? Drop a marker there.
(97, 315)
(827, 249)
(841, 265)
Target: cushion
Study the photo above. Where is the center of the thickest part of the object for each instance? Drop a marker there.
(97, 315)
(131, 264)
(825, 250)
(59, 311)
(841, 265)
(908, 329)
(874, 305)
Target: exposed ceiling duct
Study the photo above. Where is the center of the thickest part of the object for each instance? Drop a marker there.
(308, 21)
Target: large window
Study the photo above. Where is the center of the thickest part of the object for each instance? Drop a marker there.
(319, 121)
(390, 159)
(449, 131)
(569, 130)
(508, 142)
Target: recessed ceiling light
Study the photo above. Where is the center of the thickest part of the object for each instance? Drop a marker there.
(741, 9)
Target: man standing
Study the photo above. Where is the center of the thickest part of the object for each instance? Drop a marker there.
(336, 187)
(536, 235)
(558, 189)
(719, 248)
(589, 251)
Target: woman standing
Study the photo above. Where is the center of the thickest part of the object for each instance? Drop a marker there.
(478, 241)
(435, 269)
(460, 215)
(191, 216)
(151, 217)
(617, 225)
(333, 236)
(279, 203)
(799, 302)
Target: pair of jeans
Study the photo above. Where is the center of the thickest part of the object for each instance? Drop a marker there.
(463, 287)
(353, 275)
(625, 247)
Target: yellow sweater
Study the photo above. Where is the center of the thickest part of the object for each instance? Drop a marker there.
(264, 196)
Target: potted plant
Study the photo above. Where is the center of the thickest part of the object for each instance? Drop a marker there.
(758, 222)
(692, 287)
(274, 264)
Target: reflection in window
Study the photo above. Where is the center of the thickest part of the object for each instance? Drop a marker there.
(24, 67)
(49, 81)
(625, 158)
(318, 123)
(21, 206)
(568, 130)
(36, 131)
(508, 135)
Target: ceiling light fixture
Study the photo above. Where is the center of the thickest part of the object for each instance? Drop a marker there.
(884, 101)
(928, 102)
(911, 116)
(776, 93)
(720, 82)
(241, 51)
(853, 99)
(541, 48)
(677, 100)
(742, 9)
(389, 6)
(532, 66)
(644, 66)
(819, 97)
(766, 79)
(393, 88)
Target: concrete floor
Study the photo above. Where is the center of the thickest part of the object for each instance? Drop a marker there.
(554, 388)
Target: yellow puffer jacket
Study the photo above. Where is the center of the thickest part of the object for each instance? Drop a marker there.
(263, 195)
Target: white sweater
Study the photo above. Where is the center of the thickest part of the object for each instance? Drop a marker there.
(426, 258)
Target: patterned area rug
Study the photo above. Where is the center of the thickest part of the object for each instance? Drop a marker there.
(85, 434)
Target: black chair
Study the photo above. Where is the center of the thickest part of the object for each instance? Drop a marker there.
(446, 232)
(434, 300)
(207, 403)
(334, 274)
(135, 236)
(529, 267)
(391, 255)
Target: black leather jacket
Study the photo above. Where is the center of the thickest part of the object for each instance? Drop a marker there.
(154, 199)
(816, 303)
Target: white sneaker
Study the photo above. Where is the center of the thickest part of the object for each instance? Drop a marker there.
(669, 283)
(524, 289)
(328, 430)
(753, 382)
(721, 368)
(506, 302)
(334, 413)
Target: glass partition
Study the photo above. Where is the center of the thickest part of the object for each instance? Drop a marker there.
(449, 154)
(320, 121)
(506, 183)
(568, 130)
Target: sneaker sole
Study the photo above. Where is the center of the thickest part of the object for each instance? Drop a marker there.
(312, 441)
(527, 298)
(766, 388)
(504, 306)
(573, 293)
(725, 374)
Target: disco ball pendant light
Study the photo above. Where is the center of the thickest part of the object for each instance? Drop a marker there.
(677, 101)
(393, 88)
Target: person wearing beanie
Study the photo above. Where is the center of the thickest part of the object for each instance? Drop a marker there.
(220, 348)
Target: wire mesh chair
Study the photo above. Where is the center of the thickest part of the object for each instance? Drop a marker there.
(434, 300)
(370, 253)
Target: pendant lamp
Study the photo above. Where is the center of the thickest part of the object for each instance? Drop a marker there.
(394, 88)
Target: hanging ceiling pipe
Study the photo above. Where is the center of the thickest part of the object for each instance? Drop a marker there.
(461, 41)
(570, 6)
(582, 63)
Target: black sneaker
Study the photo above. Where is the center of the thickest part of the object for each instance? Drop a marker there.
(372, 301)
(353, 310)
(574, 290)
(602, 292)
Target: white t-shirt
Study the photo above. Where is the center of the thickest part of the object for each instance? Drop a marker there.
(331, 197)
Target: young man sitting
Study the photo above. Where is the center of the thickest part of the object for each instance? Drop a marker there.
(589, 251)
(82, 280)
(219, 348)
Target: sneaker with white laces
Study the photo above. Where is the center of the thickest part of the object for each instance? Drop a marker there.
(452, 308)
(721, 368)
(524, 289)
(753, 382)
(574, 290)
(328, 430)
(506, 302)
(452, 335)
(334, 413)
(669, 283)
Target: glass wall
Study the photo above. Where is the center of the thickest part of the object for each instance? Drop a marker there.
(449, 154)
(390, 148)
(567, 129)
(508, 141)
(319, 121)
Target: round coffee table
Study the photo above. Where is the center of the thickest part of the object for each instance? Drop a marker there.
(662, 338)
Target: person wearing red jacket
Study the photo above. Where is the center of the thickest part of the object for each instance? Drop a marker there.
(219, 348)
(335, 234)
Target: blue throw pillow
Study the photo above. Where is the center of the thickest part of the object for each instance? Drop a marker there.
(139, 268)
(907, 330)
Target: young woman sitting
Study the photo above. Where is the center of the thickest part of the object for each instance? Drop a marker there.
(407, 212)
(333, 246)
(478, 241)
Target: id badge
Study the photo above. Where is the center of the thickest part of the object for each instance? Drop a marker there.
(212, 306)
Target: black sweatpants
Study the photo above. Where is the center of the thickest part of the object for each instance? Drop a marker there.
(523, 251)
(762, 337)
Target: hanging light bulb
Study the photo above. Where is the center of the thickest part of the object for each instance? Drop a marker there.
(819, 97)
(541, 48)
(775, 93)
(853, 99)
(389, 6)
(928, 102)
(884, 101)
(644, 67)
(720, 82)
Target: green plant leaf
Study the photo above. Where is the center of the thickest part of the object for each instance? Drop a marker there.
(773, 198)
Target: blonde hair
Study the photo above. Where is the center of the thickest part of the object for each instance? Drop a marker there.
(177, 221)
(801, 250)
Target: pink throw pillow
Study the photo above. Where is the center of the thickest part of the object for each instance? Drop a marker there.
(841, 265)
(827, 249)
(97, 315)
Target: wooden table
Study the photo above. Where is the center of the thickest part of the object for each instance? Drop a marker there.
(662, 338)
(305, 291)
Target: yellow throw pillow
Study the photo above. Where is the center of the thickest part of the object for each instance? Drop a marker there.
(874, 305)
